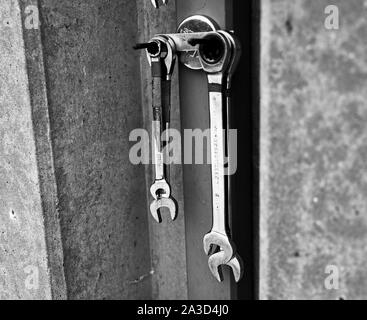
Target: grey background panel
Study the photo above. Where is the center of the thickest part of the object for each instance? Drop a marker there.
(313, 150)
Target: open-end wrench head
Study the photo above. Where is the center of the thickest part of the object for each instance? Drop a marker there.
(222, 241)
(237, 266)
(160, 189)
(215, 264)
(158, 204)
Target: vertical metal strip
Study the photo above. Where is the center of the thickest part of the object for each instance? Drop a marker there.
(245, 113)
(197, 177)
(167, 240)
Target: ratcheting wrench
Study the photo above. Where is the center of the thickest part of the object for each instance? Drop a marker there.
(162, 57)
(156, 3)
(219, 56)
(214, 261)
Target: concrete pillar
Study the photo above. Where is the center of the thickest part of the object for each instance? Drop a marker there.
(313, 150)
(31, 256)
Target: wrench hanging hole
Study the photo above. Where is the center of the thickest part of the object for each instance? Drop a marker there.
(211, 49)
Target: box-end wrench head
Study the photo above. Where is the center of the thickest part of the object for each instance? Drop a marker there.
(167, 50)
(215, 264)
(160, 203)
(215, 53)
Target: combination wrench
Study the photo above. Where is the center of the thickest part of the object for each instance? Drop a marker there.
(162, 57)
(219, 54)
(160, 189)
(236, 263)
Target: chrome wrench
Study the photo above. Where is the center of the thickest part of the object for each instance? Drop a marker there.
(162, 56)
(219, 60)
(160, 189)
(236, 263)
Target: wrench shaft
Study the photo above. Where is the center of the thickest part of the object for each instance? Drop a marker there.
(157, 120)
(217, 149)
(157, 154)
(162, 64)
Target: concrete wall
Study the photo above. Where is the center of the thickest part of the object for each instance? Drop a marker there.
(313, 150)
(94, 102)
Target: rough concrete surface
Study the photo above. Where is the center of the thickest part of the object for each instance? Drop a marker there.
(41, 126)
(24, 270)
(94, 101)
(313, 150)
